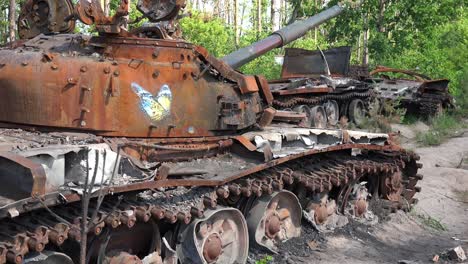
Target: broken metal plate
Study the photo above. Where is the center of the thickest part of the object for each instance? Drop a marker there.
(45, 17)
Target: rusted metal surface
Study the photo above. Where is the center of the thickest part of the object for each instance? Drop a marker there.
(274, 218)
(91, 13)
(311, 90)
(289, 116)
(416, 92)
(141, 147)
(312, 81)
(31, 178)
(45, 16)
(317, 173)
(82, 94)
(383, 69)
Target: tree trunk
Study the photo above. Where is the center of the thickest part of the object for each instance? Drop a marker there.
(358, 50)
(12, 20)
(228, 13)
(241, 26)
(105, 6)
(259, 18)
(217, 9)
(365, 55)
(316, 28)
(275, 11)
(236, 22)
(380, 23)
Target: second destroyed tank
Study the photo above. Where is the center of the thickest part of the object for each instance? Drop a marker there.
(417, 93)
(318, 84)
(139, 147)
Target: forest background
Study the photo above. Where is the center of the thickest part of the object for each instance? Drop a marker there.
(430, 36)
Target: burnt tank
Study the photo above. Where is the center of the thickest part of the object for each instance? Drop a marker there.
(140, 147)
(418, 94)
(322, 85)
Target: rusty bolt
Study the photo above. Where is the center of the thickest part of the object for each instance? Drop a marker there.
(24, 63)
(155, 53)
(116, 73)
(155, 74)
(222, 192)
(85, 109)
(72, 81)
(84, 69)
(158, 213)
(107, 70)
(196, 212)
(171, 217)
(54, 67)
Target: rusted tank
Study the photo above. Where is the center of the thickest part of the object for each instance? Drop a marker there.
(417, 93)
(139, 147)
(318, 83)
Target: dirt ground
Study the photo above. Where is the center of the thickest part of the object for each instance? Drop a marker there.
(437, 223)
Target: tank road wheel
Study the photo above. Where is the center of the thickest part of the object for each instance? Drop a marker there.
(352, 199)
(274, 218)
(333, 112)
(220, 237)
(318, 117)
(47, 257)
(357, 112)
(304, 109)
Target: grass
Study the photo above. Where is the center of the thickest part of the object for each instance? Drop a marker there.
(429, 221)
(264, 260)
(443, 126)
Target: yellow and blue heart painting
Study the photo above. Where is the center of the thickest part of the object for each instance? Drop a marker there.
(156, 107)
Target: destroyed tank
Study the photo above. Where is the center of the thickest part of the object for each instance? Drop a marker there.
(318, 84)
(140, 147)
(417, 93)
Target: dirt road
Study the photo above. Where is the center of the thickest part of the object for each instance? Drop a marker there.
(437, 223)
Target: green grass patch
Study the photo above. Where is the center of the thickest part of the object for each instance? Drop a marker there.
(429, 221)
(265, 260)
(443, 126)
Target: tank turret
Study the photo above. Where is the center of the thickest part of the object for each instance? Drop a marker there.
(280, 38)
(132, 83)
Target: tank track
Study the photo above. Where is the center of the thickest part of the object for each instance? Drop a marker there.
(429, 108)
(59, 226)
(321, 99)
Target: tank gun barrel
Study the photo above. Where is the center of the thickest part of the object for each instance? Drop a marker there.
(280, 38)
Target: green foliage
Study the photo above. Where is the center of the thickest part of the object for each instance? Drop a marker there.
(212, 34)
(442, 53)
(430, 138)
(443, 126)
(430, 222)
(265, 260)
(264, 65)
